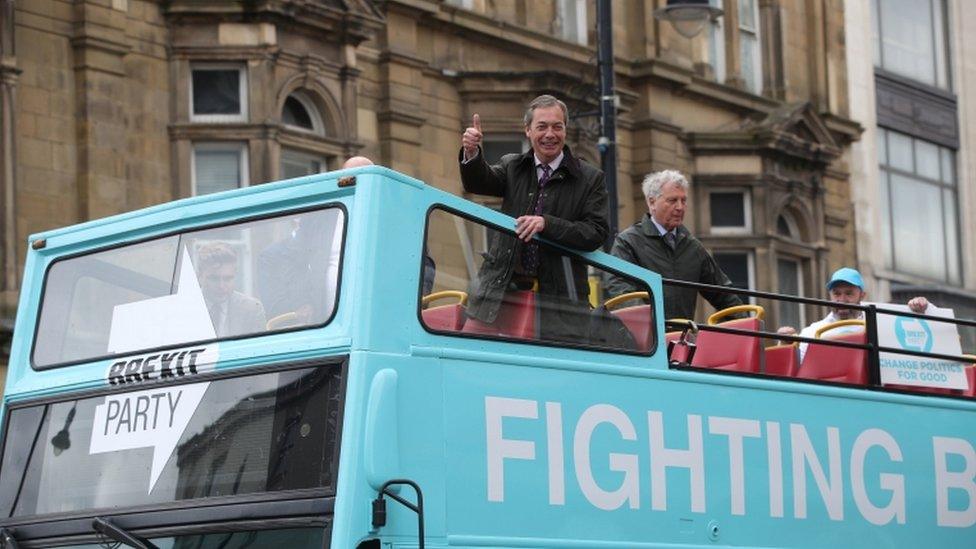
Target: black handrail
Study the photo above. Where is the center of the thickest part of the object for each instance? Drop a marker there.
(812, 301)
(379, 506)
(871, 312)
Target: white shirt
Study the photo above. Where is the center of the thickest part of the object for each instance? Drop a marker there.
(662, 231)
(811, 330)
(552, 165)
(538, 163)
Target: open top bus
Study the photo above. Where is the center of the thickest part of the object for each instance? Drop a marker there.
(294, 364)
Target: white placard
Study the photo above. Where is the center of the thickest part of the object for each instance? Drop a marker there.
(917, 334)
(155, 419)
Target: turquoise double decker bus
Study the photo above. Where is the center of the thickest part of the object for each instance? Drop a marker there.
(301, 364)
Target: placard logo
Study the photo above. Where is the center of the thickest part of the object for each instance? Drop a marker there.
(913, 334)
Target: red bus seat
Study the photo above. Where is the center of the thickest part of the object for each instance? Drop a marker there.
(516, 318)
(680, 351)
(449, 318)
(782, 360)
(637, 319)
(444, 317)
(837, 364)
(971, 378)
(731, 351)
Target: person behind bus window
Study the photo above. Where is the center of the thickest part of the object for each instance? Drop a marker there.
(661, 243)
(298, 275)
(232, 312)
(551, 193)
(845, 286)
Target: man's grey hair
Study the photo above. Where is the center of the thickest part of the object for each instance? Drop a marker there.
(656, 181)
(543, 102)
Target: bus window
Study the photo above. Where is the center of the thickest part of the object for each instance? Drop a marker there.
(481, 281)
(218, 283)
(245, 435)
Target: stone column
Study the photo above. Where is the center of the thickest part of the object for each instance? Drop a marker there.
(100, 47)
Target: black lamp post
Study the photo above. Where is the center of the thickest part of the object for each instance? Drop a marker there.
(688, 18)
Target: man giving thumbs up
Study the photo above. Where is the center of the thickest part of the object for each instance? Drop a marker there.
(551, 193)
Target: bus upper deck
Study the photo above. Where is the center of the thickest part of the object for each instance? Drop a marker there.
(253, 367)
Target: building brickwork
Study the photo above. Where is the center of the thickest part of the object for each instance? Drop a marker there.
(98, 96)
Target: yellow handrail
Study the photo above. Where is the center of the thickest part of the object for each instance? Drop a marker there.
(462, 297)
(614, 301)
(757, 309)
(838, 324)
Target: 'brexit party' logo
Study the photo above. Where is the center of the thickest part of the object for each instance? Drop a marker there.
(913, 334)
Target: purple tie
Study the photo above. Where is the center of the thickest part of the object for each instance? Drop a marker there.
(530, 256)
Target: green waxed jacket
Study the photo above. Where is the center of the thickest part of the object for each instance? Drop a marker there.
(643, 245)
(575, 210)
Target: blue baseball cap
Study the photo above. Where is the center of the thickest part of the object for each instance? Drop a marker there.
(846, 275)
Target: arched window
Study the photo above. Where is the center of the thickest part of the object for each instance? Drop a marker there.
(787, 226)
(299, 113)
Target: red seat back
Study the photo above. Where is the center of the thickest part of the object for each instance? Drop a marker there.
(971, 378)
(782, 360)
(516, 318)
(637, 319)
(839, 364)
(730, 351)
(448, 318)
(680, 351)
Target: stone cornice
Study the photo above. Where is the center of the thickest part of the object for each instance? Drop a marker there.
(354, 24)
(401, 117)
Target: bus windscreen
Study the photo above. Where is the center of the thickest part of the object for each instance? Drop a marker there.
(272, 432)
(224, 282)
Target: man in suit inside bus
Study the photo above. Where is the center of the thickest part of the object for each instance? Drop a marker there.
(551, 193)
(846, 286)
(232, 312)
(661, 243)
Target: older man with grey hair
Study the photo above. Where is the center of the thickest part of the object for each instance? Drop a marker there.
(660, 243)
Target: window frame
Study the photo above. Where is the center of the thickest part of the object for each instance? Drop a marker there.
(242, 83)
(889, 242)
(754, 34)
(221, 146)
(507, 138)
(716, 47)
(746, 227)
(579, 34)
(299, 154)
(271, 215)
(750, 254)
(192, 515)
(654, 335)
(318, 125)
(941, 60)
(801, 292)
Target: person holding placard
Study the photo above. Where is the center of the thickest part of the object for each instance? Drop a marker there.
(846, 286)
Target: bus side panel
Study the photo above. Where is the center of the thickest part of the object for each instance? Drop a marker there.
(372, 454)
(690, 458)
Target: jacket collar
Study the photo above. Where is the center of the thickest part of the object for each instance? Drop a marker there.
(570, 163)
(649, 229)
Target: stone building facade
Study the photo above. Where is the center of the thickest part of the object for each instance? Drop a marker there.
(112, 105)
(911, 86)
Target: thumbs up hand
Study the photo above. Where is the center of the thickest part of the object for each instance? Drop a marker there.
(471, 139)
